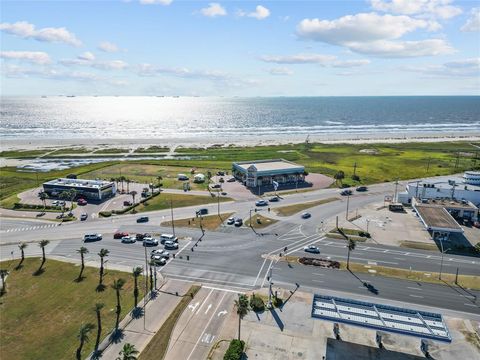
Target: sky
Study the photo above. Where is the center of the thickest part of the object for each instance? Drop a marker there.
(240, 48)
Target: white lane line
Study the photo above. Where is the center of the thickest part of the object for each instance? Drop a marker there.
(416, 296)
(221, 289)
(266, 273)
(209, 321)
(209, 280)
(318, 274)
(317, 281)
(467, 304)
(256, 279)
(206, 298)
(413, 288)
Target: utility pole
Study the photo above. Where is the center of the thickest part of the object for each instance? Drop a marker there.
(348, 202)
(146, 290)
(171, 212)
(269, 304)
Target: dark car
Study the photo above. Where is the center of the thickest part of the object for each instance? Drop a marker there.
(238, 222)
(306, 215)
(274, 199)
(142, 219)
(231, 179)
(362, 188)
(202, 211)
(142, 236)
(346, 192)
(120, 234)
(127, 203)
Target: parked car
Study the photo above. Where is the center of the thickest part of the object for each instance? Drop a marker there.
(232, 179)
(81, 202)
(142, 236)
(238, 222)
(261, 203)
(83, 217)
(362, 188)
(346, 192)
(55, 202)
(221, 173)
(142, 219)
(92, 237)
(149, 241)
(128, 240)
(168, 237)
(120, 234)
(182, 177)
(312, 249)
(202, 211)
(230, 221)
(127, 203)
(159, 260)
(216, 186)
(224, 193)
(306, 215)
(274, 199)
(171, 245)
(161, 252)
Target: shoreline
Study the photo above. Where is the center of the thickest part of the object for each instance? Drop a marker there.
(172, 143)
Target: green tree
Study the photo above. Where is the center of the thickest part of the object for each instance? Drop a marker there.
(137, 271)
(82, 251)
(102, 253)
(43, 196)
(22, 247)
(118, 286)
(64, 196)
(242, 309)
(42, 245)
(83, 333)
(339, 176)
(350, 246)
(128, 352)
(3, 275)
(98, 308)
(72, 194)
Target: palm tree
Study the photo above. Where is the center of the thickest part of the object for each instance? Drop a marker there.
(159, 178)
(43, 196)
(103, 253)
(64, 196)
(351, 246)
(339, 176)
(22, 247)
(3, 275)
(242, 309)
(118, 286)
(137, 271)
(122, 179)
(83, 337)
(98, 308)
(72, 194)
(133, 193)
(42, 245)
(128, 352)
(128, 181)
(82, 251)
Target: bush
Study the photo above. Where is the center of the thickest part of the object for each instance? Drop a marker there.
(256, 303)
(355, 177)
(105, 213)
(235, 350)
(477, 247)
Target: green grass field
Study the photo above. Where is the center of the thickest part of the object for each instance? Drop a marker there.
(41, 315)
(209, 222)
(162, 201)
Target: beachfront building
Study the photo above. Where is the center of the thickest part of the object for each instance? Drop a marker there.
(266, 172)
(466, 187)
(88, 189)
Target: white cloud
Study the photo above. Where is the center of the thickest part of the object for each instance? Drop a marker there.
(464, 68)
(110, 65)
(108, 47)
(155, 2)
(260, 13)
(213, 10)
(473, 23)
(36, 57)
(26, 30)
(88, 59)
(280, 71)
(320, 59)
(374, 34)
(434, 8)
(87, 55)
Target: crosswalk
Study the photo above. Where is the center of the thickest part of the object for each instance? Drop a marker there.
(28, 228)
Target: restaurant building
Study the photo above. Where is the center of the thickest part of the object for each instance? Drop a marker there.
(88, 189)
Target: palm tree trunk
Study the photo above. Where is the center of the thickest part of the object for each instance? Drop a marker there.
(43, 255)
(119, 309)
(100, 281)
(3, 284)
(99, 329)
(239, 325)
(135, 291)
(79, 351)
(348, 259)
(23, 255)
(82, 268)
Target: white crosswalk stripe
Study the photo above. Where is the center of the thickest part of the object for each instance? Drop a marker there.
(31, 228)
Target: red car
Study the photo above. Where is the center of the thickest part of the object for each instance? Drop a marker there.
(119, 235)
(81, 202)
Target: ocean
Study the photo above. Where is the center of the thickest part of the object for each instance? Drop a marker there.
(236, 119)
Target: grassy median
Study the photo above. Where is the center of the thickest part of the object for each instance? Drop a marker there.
(163, 200)
(210, 222)
(295, 208)
(41, 315)
(158, 345)
(259, 221)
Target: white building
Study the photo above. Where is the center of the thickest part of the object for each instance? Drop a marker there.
(459, 188)
(89, 189)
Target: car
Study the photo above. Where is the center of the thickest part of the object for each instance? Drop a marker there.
(127, 203)
(171, 245)
(224, 193)
(476, 224)
(182, 177)
(346, 192)
(128, 240)
(274, 199)
(159, 260)
(92, 237)
(362, 188)
(230, 221)
(312, 249)
(238, 222)
(202, 211)
(231, 179)
(160, 252)
(149, 241)
(142, 236)
(83, 217)
(168, 237)
(261, 203)
(142, 219)
(216, 186)
(120, 234)
(221, 173)
(306, 215)
(81, 202)
(55, 202)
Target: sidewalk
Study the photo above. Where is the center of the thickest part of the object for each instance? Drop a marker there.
(141, 330)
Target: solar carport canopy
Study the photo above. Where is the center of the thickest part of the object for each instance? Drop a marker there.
(420, 324)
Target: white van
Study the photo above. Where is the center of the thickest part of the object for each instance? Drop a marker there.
(92, 237)
(168, 237)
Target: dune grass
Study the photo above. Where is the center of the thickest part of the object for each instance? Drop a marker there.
(41, 315)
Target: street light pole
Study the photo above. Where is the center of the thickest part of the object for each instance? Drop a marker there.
(348, 202)
(368, 222)
(269, 305)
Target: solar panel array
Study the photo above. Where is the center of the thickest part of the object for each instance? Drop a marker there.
(381, 317)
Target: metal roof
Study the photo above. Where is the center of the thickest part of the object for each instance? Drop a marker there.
(78, 183)
(437, 218)
(269, 165)
(381, 317)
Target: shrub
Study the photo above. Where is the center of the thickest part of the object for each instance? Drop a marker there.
(277, 302)
(105, 213)
(235, 350)
(355, 177)
(256, 303)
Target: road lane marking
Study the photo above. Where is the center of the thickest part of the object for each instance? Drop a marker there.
(266, 273)
(467, 304)
(318, 274)
(318, 281)
(256, 279)
(203, 302)
(414, 288)
(208, 308)
(416, 296)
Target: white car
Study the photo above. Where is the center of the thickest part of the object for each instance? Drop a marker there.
(92, 237)
(128, 239)
(312, 249)
(149, 241)
(160, 252)
(159, 260)
(230, 221)
(171, 245)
